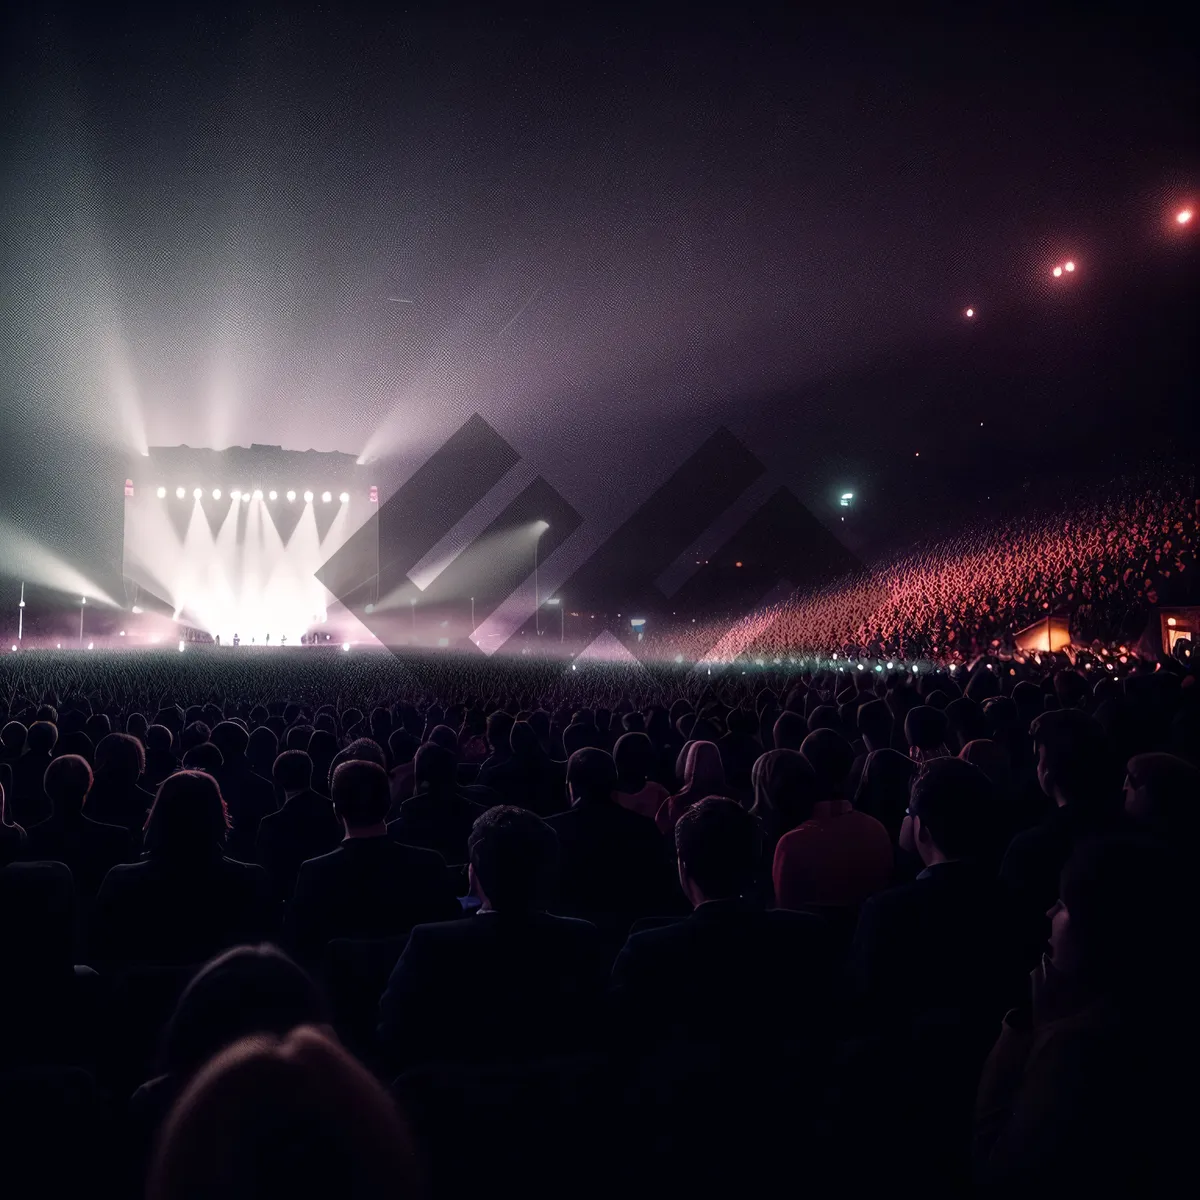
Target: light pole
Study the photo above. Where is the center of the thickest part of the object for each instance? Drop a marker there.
(82, 605)
(542, 526)
(21, 615)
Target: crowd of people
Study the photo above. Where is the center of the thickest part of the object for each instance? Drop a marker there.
(1105, 564)
(336, 924)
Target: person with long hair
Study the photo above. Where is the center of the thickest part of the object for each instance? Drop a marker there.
(703, 776)
(289, 1116)
(185, 900)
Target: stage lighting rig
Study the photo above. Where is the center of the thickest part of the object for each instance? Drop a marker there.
(291, 495)
(308, 497)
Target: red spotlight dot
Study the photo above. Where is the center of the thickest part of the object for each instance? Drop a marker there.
(1184, 216)
(1056, 272)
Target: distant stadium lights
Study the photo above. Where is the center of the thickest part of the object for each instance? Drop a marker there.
(179, 493)
(197, 493)
(374, 494)
(258, 493)
(291, 495)
(326, 497)
(346, 646)
(272, 495)
(345, 497)
(161, 493)
(216, 493)
(236, 494)
(308, 497)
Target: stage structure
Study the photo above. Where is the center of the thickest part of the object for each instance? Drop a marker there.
(1047, 636)
(229, 542)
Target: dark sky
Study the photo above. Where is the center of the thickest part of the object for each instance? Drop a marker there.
(616, 231)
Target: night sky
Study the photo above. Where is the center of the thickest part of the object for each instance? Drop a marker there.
(607, 233)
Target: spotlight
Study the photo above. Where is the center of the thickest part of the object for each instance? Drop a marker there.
(181, 645)
(272, 495)
(345, 497)
(216, 493)
(14, 647)
(291, 495)
(179, 493)
(236, 494)
(91, 644)
(1184, 216)
(197, 493)
(58, 645)
(245, 497)
(161, 493)
(1069, 267)
(258, 493)
(970, 312)
(137, 608)
(345, 645)
(308, 497)
(1057, 272)
(326, 497)
(121, 634)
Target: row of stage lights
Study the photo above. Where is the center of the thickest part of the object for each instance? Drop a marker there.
(257, 494)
